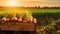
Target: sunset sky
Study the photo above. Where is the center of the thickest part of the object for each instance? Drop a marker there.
(30, 3)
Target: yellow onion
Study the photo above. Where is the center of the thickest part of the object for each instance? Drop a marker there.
(24, 21)
(4, 19)
(30, 19)
(14, 18)
(35, 21)
(7, 19)
(19, 19)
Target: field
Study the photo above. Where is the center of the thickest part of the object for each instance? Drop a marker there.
(48, 20)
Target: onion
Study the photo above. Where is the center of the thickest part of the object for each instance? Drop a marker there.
(28, 20)
(20, 19)
(31, 19)
(14, 18)
(24, 21)
(7, 19)
(35, 21)
(4, 19)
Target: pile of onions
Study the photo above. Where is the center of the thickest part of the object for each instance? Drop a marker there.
(29, 20)
(20, 19)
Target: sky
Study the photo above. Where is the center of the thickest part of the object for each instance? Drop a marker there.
(30, 3)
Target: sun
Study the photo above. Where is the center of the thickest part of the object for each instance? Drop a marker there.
(12, 3)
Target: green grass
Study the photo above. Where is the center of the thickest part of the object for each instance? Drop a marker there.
(38, 13)
(44, 10)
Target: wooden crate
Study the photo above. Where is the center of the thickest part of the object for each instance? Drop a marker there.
(18, 26)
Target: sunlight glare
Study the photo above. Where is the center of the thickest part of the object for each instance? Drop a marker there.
(12, 3)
